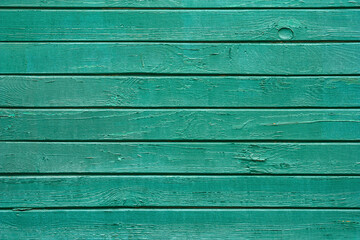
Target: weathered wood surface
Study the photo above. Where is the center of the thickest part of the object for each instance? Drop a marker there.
(188, 79)
(180, 224)
(182, 3)
(222, 158)
(181, 58)
(181, 25)
(135, 91)
(180, 191)
(180, 124)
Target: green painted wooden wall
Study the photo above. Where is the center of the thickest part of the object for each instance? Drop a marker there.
(180, 119)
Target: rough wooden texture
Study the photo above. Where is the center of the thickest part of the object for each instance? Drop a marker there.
(119, 119)
(181, 25)
(182, 3)
(180, 191)
(226, 158)
(181, 58)
(133, 91)
(180, 224)
(180, 124)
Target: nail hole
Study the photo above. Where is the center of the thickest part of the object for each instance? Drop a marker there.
(285, 33)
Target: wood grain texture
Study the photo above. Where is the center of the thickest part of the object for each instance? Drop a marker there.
(180, 224)
(180, 124)
(226, 158)
(179, 191)
(181, 58)
(181, 25)
(119, 119)
(182, 3)
(135, 91)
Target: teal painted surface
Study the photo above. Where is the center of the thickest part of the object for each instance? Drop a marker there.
(163, 157)
(180, 191)
(189, 91)
(205, 114)
(181, 58)
(180, 124)
(181, 3)
(181, 25)
(181, 223)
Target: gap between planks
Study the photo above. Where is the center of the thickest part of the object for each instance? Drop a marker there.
(258, 42)
(170, 41)
(175, 8)
(275, 142)
(172, 108)
(155, 174)
(139, 74)
(169, 208)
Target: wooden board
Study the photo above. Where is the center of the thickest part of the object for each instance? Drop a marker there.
(182, 3)
(181, 58)
(181, 25)
(221, 158)
(180, 191)
(183, 224)
(180, 224)
(192, 91)
(180, 124)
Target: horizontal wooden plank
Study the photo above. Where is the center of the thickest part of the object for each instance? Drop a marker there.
(180, 124)
(180, 224)
(179, 191)
(181, 25)
(136, 91)
(181, 58)
(181, 3)
(227, 158)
